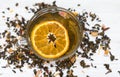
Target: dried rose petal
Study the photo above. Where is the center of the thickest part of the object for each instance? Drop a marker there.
(63, 14)
(104, 28)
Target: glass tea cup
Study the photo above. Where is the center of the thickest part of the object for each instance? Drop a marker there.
(64, 17)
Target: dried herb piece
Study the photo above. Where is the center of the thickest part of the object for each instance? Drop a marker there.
(1, 47)
(70, 73)
(112, 57)
(16, 15)
(104, 28)
(38, 73)
(26, 7)
(3, 12)
(93, 16)
(87, 76)
(46, 75)
(91, 54)
(46, 69)
(78, 4)
(84, 55)
(54, 3)
(51, 65)
(14, 71)
(3, 16)
(108, 68)
(4, 66)
(34, 71)
(4, 33)
(16, 4)
(8, 8)
(21, 70)
(83, 64)
(93, 65)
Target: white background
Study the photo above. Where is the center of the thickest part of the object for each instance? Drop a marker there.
(108, 11)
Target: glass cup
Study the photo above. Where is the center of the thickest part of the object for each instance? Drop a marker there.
(67, 19)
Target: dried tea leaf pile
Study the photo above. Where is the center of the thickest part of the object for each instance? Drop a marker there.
(16, 52)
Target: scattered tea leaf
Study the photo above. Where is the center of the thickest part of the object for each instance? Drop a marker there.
(83, 64)
(108, 68)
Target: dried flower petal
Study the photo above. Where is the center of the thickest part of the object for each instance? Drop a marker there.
(10, 50)
(106, 52)
(64, 14)
(94, 33)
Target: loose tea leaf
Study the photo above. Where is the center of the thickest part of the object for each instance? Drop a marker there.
(87, 76)
(14, 71)
(108, 68)
(78, 4)
(16, 4)
(70, 73)
(83, 64)
(112, 57)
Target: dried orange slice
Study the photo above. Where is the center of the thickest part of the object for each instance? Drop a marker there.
(50, 39)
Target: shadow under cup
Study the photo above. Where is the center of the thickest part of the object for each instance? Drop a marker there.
(67, 19)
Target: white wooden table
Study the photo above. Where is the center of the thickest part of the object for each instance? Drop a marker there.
(108, 11)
